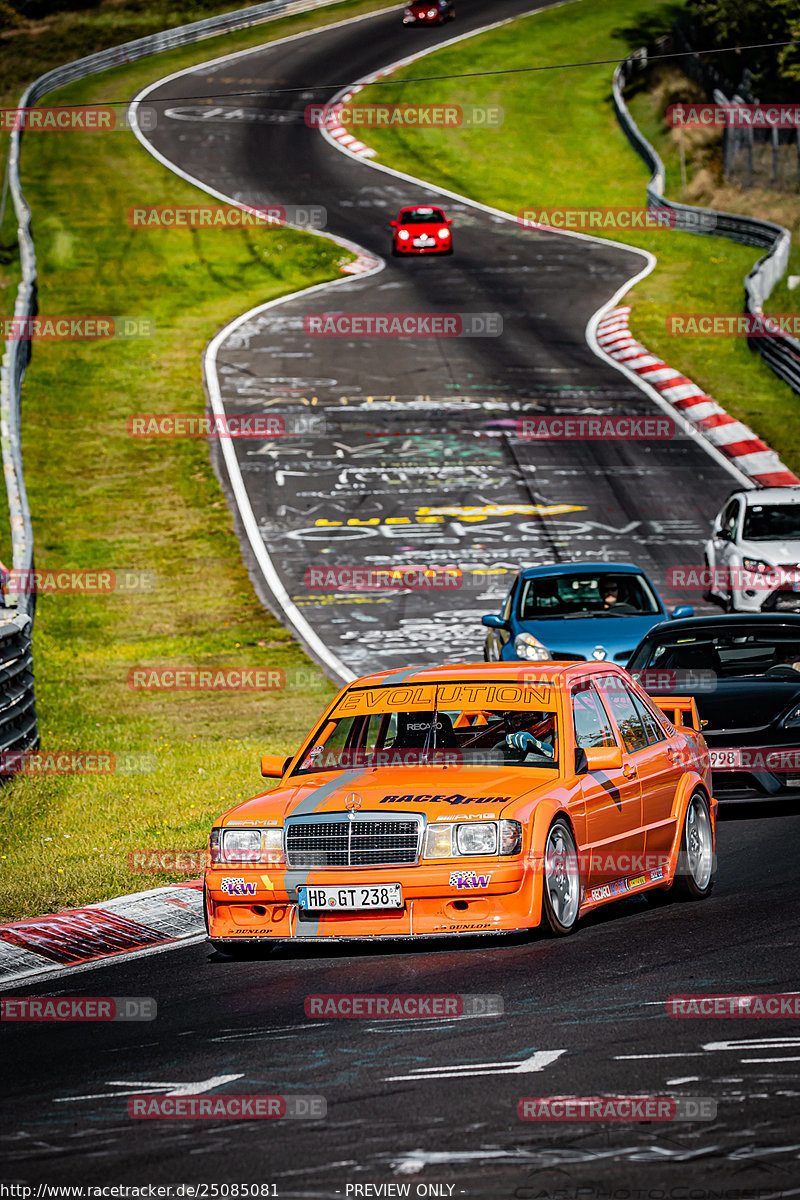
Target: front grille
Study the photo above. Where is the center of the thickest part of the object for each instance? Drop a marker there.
(365, 842)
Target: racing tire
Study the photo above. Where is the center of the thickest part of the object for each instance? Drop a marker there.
(561, 883)
(395, 253)
(694, 873)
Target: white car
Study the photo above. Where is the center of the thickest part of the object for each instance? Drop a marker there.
(754, 552)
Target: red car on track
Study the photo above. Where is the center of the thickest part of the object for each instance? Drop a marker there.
(421, 231)
(429, 12)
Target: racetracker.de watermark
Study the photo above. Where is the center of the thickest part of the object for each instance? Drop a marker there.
(617, 1108)
(615, 218)
(77, 762)
(79, 118)
(405, 116)
(78, 1008)
(226, 216)
(226, 425)
(733, 325)
(75, 329)
(399, 324)
(766, 1004)
(234, 1108)
(424, 1006)
(775, 760)
(734, 116)
(371, 579)
(98, 582)
(223, 679)
(754, 579)
(597, 429)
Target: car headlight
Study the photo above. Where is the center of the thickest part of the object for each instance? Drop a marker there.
(242, 846)
(444, 233)
(404, 235)
(465, 840)
(758, 565)
(479, 837)
(792, 718)
(527, 646)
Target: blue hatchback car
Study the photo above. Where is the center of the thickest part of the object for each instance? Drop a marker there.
(591, 611)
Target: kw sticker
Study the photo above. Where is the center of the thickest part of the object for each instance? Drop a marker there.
(468, 879)
(238, 887)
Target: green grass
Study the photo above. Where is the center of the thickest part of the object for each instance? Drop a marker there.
(102, 499)
(560, 145)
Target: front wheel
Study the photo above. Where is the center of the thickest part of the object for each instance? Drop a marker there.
(561, 898)
(693, 876)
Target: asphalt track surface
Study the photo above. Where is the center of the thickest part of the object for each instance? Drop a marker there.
(432, 1104)
(434, 1101)
(413, 425)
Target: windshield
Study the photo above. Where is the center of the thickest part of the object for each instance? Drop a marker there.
(421, 216)
(590, 594)
(742, 655)
(429, 729)
(772, 523)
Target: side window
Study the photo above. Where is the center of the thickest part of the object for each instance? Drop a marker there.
(592, 726)
(629, 723)
(652, 728)
(730, 518)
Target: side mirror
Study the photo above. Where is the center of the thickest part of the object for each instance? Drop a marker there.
(448, 221)
(724, 534)
(273, 766)
(393, 224)
(683, 610)
(492, 621)
(603, 758)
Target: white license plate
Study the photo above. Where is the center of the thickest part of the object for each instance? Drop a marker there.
(319, 899)
(722, 759)
(424, 241)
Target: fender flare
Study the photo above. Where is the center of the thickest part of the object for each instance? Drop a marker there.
(545, 813)
(691, 783)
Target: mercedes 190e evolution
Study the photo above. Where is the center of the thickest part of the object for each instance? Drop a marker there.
(468, 799)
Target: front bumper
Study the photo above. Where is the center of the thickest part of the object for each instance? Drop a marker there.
(431, 907)
(407, 248)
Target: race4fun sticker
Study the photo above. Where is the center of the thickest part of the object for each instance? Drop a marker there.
(468, 879)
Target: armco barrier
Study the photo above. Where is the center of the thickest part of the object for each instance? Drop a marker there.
(17, 702)
(780, 352)
(16, 688)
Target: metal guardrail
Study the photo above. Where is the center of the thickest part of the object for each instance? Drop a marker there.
(18, 728)
(780, 352)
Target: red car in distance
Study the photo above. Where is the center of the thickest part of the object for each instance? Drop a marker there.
(429, 12)
(421, 230)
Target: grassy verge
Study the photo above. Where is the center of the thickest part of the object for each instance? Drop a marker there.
(560, 146)
(103, 499)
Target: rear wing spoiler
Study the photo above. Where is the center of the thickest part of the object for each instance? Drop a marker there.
(680, 710)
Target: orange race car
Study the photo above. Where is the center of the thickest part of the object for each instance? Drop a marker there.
(472, 798)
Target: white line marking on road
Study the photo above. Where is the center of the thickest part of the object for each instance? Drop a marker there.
(536, 1062)
(134, 1087)
(768, 1060)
